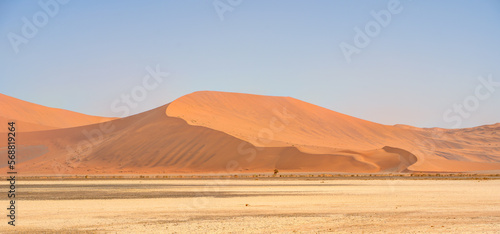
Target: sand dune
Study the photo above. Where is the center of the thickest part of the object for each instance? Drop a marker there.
(218, 132)
(284, 121)
(32, 117)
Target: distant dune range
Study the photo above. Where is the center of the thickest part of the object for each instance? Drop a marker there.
(219, 132)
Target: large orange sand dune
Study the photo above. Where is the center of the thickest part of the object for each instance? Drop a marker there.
(218, 132)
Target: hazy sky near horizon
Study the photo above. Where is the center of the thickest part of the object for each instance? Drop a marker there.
(414, 68)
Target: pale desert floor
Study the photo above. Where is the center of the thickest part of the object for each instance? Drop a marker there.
(260, 206)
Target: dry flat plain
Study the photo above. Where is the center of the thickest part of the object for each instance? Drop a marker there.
(261, 205)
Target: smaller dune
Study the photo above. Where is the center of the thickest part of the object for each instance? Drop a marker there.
(33, 117)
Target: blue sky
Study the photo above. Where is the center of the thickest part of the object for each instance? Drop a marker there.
(413, 71)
